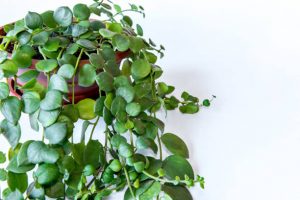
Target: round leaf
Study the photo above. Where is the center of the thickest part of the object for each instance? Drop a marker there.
(48, 19)
(48, 118)
(140, 69)
(38, 152)
(4, 90)
(33, 20)
(121, 42)
(177, 166)
(133, 109)
(22, 59)
(9, 68)
(125, 150)
(67, 71)
(31, 102)
(127, 92)
(105, 81)
(175, 145)
(56, 133)
(86, 109)
(47, 174)
(46, 65)
(11, 109)
(81, 11)
(52, 101)
(177, 192)
(63, 16)
(87, 76)
(11, 132)
(58, 83)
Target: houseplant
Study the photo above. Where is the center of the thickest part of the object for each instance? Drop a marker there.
(45, 59)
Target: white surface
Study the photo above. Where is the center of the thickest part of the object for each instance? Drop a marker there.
(245, 52)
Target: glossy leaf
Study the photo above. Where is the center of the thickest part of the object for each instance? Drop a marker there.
(52, 100)
(46, 65)
(81, 11)
(33, 20)
(175, 145)
(47, 174)
(11, 109)
(8, 68)
(105, 81)
(58, 83)
(87, 75)
(56, 133)
(67, 71)
(63, 16)
(97, 60)
(22, 59)
(121, 42)
(133, 109)
(15, 168)
(86, 109)
(47, 118)
(140, 69)
(125, 150)
(4, 90)
(177, 166)
(22, 158)
(31, 102)
(48, 19)
(127, 92)
(144, 143)
(38, 152)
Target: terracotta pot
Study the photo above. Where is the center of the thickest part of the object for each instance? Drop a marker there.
(80, 92)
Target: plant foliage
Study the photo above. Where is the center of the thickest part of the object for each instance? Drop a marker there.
(131, 157)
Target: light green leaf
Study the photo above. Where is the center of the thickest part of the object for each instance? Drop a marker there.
(67, 71)
(46, 65)
(52, 100)
(118, 105)
(8, 68)
(47, 118)
(58, 83)
(52, 44)
(4, 90)
(33, 20)
(3, 175)
(16, 195)
(63, 16)
(140, 69)
(11, 132)
(38, 152)
(121, 42)
(133, 109)
(13, 166)
(87, 75)
(2, 157)
(175, 145)
(125, 150)
(56, 133)
(78, 30)
(31, 102)
(22, 158)
(106, 33)
(86, 109)
(127, 92)
(22, 59)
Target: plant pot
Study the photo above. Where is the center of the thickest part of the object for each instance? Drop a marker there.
(80, 92)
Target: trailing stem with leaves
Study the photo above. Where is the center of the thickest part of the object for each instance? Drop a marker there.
(71, 49)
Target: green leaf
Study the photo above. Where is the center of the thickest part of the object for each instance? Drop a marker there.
(87, 44)
(22, 158)
(140, 69)
(17, 181)
(4, 90)
(3, 56)
(189, 108)
(136, 44)
(67, 71)
(46, 65)
(11, 132)
(118, 105)
(31, 102)
(117, 139)
(16, 195)
(52, 44)
(125, 150)
(115, 165)
(33, 120)
(127, 92)
(78, 30)
(106, 33)
(139, 30)
(2, 157)
(47, 174)
(71, 111)
(40, 38)
(56, 133)
(99, 106)
(121, 42)
(175, 145)
(63, 16)
(3, 175)
(92, 153)
(107, 116)
(81, 11)
(28, 75)
(177, 192)
(86, 109)
(87, 75)
(177, 166)
(8, 68)
(133, 109)
(105, 81)
(151, 192)
(35, 191)
(97, 60)
(52, 101)
(38, 152)
(22, 59)
(48, 19)
(58, 83)
(56, 191)
(24, 37)
(115, 27)
(33, 20)
(47, 118)
(13, 166)
(143, 143)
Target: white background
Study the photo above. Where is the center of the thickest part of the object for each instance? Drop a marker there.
(246, 52)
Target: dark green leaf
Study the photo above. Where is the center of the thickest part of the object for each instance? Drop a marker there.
(46, 65)
(140, 69)
(177, 166)
(177, 192)
(143, 143)
(189, 108)
(81, 11)
(175, 145)
(87, 75)
(4, 90)
(47, 174)
(87, 44)
(71, 111)
(99, 106)
(56, 191)
(22, 59)
(92, 153)
(56, 133)
(13, 166)
(22, 158)
(105, 81)
(17, 181)
(118, 105)
(52, 101)
(33, 20)
(139, 30)
(48, 19)
(63, 16)
(97, 60)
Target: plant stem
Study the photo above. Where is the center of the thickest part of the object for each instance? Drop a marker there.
(159, 146)
(6, 45)
(162, 180)
(73, 79)
(94, 126)
(128, 180)
(131, 138)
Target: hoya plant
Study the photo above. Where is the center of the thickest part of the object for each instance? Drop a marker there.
(65, 67)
